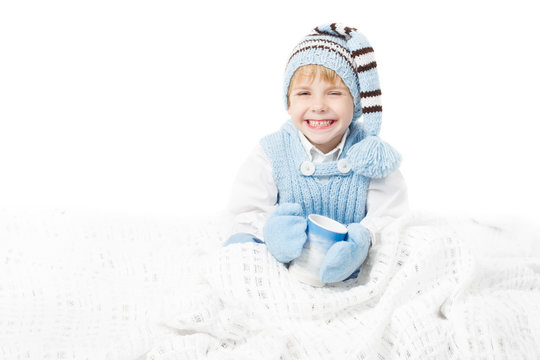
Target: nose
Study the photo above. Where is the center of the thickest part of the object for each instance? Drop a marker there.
(318, 105)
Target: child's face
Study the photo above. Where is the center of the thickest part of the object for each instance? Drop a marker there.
(321, 110)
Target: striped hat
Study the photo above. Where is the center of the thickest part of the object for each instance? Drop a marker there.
(348, 52)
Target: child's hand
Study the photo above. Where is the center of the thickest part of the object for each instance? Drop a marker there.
(285, 232)
(344, 257)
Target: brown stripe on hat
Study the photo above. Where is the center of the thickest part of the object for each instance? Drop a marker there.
(372, 109)
(320, 32)
(362, 51)
(349, 29)
(342, 37)
(367, 67)
(325, 48)
(366, 94)
(346, 29)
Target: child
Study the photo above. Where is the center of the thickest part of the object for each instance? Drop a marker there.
(322, 161)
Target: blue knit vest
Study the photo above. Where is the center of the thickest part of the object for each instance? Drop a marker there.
(342, 197)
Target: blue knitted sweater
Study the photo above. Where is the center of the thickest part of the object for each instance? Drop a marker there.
(342, 197)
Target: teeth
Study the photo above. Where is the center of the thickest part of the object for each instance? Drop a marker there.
(319, 123)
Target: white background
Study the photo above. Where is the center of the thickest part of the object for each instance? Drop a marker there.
(151, 106)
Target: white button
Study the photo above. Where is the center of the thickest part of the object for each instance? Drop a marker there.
(307, 168)
(343, 166)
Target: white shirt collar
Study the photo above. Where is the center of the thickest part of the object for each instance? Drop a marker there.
(317, 155)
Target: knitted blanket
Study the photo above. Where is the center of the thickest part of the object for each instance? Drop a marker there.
(79, 286)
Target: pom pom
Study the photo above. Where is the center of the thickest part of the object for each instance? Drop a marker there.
(374, 158)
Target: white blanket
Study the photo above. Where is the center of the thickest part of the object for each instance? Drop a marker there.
(79, 286)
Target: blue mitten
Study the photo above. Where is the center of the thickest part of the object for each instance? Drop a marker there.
(285, 232)
(344, 257)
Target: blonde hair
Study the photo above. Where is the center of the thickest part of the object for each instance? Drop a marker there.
(310, 72)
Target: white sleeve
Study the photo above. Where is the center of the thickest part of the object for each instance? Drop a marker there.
(387, 200)
(254, 194)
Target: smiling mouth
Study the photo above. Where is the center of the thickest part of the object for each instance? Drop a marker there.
(319, 124)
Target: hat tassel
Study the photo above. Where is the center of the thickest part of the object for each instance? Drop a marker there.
(374, 158)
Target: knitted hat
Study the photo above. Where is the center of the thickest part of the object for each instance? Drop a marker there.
(348, 52)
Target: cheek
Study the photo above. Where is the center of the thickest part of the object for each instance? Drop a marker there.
(348, 109)
(295, 111)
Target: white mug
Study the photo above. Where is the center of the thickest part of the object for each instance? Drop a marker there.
(322, 233)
